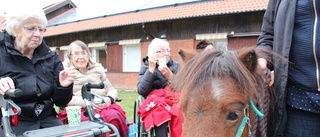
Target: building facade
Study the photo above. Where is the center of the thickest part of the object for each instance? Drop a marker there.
(120, 41)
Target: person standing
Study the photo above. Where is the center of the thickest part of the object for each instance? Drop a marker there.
(27, 63)
(291, 29)
(204, 45)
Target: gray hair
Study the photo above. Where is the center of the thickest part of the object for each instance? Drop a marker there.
(79, 43)
(15, 18)
(156, 42)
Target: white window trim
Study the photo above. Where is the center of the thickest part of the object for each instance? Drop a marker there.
(129, 42)
(212, 36)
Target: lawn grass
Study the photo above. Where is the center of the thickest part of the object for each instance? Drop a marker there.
(127, 103)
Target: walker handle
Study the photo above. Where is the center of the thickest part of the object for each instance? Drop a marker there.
(14, 93)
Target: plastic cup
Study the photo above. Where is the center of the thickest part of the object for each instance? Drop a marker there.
(73, 113)
(162, 62)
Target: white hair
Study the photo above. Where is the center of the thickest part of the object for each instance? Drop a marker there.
(156, 42)
(16, 17)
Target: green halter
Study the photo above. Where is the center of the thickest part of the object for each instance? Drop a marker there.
(246, 119)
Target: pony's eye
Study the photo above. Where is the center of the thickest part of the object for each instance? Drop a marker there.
(233, 115)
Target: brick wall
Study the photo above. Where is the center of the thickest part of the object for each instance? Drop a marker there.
(123, 80)
(175, 46)
(240, 42)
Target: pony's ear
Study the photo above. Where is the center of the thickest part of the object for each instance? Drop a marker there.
(249, 58)
(186, 54)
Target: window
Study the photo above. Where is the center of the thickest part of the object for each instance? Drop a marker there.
(98, 52)
(64, 50)
(124, 57)
(131, 55)
(220, 44)
(99, 55)
(131, 58)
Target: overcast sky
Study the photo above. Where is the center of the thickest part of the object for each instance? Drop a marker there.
(90, 8)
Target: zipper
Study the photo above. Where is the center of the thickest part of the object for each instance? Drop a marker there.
(314, 42)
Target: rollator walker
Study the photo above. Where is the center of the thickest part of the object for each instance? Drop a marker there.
(95, 127)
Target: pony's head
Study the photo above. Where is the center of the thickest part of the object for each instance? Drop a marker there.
(217, 87)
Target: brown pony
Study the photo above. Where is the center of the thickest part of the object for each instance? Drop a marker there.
(217, 89)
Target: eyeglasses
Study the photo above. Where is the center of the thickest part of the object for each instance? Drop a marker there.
(33, 29)
(77, 54)
(163, 51)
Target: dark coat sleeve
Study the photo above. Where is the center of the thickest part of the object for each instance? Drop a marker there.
(265, 40)
(145, 81)
(61, 95)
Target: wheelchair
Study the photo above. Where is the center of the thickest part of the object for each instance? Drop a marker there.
(137, 120)
(95, 127)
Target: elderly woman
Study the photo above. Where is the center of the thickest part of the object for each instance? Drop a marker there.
(151, 75)
(27, 63)
(155, 74)
(90, 71)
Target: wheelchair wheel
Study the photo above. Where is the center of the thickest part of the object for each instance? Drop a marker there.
(141, 130)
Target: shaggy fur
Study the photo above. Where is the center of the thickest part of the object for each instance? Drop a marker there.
(216, 88)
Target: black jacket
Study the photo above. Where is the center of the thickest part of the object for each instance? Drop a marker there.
(147, 81)
(277, 31)
(37, 78)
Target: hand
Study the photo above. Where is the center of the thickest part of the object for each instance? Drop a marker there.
(263, 65)
(152, 63)
(96, 107)
(99, 107)
(272, 78)
(6, 84)
(66, 76)
(165, 71)
(107, 103)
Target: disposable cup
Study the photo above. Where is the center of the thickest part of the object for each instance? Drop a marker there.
(162, 62)
(73, 113)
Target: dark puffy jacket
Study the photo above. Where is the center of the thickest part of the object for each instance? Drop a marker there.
(147, 81)
(37, 78)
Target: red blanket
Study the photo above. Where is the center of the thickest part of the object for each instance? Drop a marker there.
(160, 106)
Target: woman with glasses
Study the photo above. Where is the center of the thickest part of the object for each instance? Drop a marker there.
(89, 71)
(152, 75)
(27, 63)
(155, 74)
